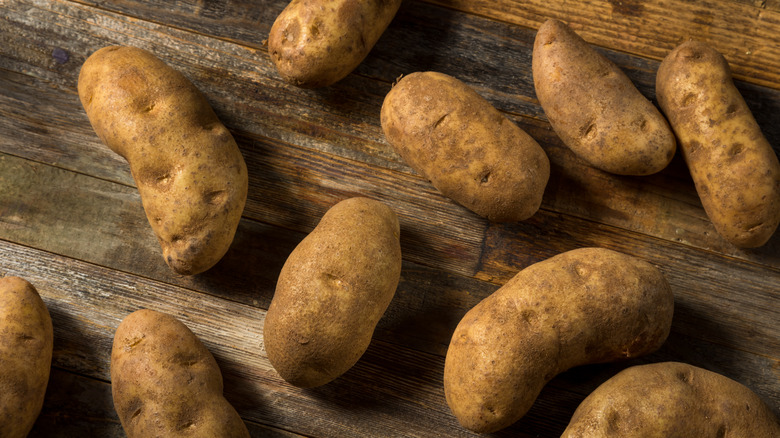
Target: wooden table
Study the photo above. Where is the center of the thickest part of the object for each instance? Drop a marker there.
(71, 220)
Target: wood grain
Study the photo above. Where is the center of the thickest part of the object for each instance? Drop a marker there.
(747, 33)
(636, 204)
(71, 220)
(392, 391)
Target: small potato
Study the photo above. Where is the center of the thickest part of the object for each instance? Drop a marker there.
(468, 150)
(332, 291)
(165, 383)
(672, 399)
(189, 170)
(736, 172)
(594, 108)
(26, 342)
(315, 43)
(589, 305)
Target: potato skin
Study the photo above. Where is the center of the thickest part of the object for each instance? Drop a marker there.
(190, 173)
(595, 108)
(736, 172)
(588, 305)
(468, 150)
(165, 383)
(332, 291)
(668, 400)
(26, 342)
(315, 43)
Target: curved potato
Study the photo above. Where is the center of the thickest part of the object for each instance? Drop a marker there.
(332, 291)
(315, 43)
(165, 383)
(189, 171)
(736, 172)
(595, 108)
(589, 305)
(672, 399)
(26, 343)
(468, 150)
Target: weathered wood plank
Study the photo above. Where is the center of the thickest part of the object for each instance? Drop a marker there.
(747, 35)
(746, 31)
(103, 223)
(392, 391)
(79, 406)
(664, 205)
(71, 220)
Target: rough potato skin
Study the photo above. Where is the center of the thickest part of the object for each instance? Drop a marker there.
(190, 173)
(468, 150)
(589, 305)
(26, 341)
(736, 172)
(332, 291)
(165, 383)
(672, 400)
(595, 108)
(315, 43)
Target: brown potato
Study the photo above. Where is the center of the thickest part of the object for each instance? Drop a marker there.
(165, 383)
(189, 171)
(315, 43)
(26, 342)
(595, 108)
(332, 291)
(468, 150)
(736, 172)
(672, 399)
(589, 305)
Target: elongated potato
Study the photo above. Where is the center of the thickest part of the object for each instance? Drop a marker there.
(189, 171)
(672, 399)
(468, 150)
(589, 305)
(736, 172)
(594, 108)
(165, 383)
(26, 342)
(332, 291)
(315, 43)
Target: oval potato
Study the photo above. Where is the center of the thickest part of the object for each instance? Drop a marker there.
(672, 399)
(736, 172)
(315, 43)
(332, 291)
(589, 305)
(189, 171)
(165, 383)
(468, 150)
(26, 343)
(595, 108)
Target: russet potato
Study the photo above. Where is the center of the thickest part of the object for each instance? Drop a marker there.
(165, 383)
(467, 149)
(332, 291)
(588, 305)
(736, 172)
(189, 171)
(595, 108)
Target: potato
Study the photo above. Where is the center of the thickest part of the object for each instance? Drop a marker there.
(315, 43)
(736, 172)
(594, 108)
(165, 383)
(189, 171)
(672, 399)
(589, 305)
(332, 291)
(26, 342)
(468, 150)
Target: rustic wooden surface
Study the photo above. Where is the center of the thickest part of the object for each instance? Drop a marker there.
(71, 220)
